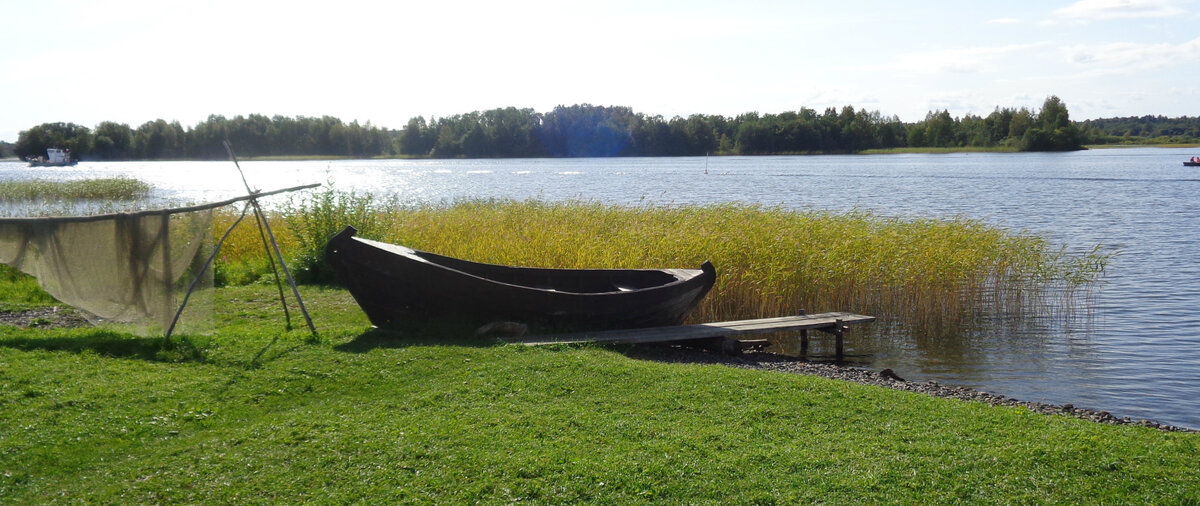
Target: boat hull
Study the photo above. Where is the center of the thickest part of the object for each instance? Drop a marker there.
(1191, 164)
(395, 285)
(55, 157)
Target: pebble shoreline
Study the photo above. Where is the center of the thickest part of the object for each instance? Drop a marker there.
(885, 378)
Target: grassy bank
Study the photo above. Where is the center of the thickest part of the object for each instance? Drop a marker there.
(937, 150)
(1143, 145)
(256, 414)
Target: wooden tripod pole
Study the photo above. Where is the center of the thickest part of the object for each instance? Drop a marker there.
(217, 248)
(262, 221)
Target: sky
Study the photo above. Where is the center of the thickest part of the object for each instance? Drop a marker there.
(384, 62)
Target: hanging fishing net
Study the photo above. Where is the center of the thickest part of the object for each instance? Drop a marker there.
(131, 269)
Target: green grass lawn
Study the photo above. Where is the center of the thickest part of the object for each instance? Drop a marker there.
(258, 414)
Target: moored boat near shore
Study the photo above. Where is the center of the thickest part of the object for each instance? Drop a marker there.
(54, 158)
(394, 284)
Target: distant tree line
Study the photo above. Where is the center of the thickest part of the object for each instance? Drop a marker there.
(1152, 129)
(253, 135)
(584, 130)
(1049, 129)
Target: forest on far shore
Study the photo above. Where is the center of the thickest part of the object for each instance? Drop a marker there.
(584, 130)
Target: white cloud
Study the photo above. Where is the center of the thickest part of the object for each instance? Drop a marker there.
(1128, 57)
(840, 97)
(1089, 10)
(961, 61)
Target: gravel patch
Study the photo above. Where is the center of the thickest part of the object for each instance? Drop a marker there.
(885, 378)
(45, 318)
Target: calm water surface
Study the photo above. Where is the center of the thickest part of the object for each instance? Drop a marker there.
(1137, 353)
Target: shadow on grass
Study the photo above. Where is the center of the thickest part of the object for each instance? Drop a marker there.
(416, 334)
(268, 354)
(113, 344)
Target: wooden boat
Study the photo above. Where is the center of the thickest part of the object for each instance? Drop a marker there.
(394, 284)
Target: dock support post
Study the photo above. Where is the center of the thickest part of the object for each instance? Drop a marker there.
(838, 333)
(803, 337)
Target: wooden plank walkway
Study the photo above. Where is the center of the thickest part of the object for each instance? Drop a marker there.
(834, 323)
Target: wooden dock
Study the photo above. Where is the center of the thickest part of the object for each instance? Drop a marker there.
(723, 334)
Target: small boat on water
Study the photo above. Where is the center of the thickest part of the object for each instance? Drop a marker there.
(394, 284)
(1193, 163)
(54, 158)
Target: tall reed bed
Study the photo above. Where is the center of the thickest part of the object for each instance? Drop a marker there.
(69, 198)
(118, 188)
(770, 261)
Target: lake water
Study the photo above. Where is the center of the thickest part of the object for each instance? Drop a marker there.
(1135, 353)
